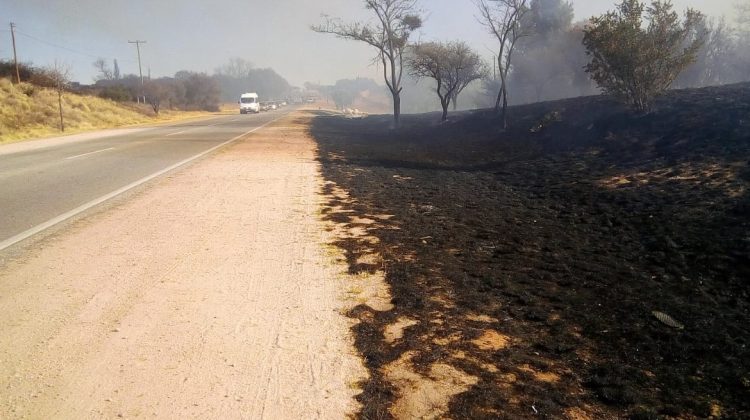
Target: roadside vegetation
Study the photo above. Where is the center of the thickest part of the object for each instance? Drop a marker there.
(114, 100)
(653, 47)
(453, 66)
(541, 53)
(47, 103)
(192, 91)
(30, 111)
(388, 34)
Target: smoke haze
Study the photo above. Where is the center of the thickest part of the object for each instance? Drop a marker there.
(201, 36)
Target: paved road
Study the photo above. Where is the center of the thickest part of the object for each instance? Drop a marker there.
(37, 186)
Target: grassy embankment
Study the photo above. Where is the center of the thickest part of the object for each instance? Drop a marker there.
(28, 111)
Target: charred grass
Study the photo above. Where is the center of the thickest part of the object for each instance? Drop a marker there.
(532, 259)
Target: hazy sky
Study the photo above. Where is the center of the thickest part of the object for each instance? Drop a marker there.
(200, 35)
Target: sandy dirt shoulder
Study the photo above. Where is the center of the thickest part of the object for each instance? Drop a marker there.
(208, 295)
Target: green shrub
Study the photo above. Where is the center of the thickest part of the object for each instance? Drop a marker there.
(116, 93)
(638, 51)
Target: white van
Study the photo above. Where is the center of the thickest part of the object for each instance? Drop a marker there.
(249, 103)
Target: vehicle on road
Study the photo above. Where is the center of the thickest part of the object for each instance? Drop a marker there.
(249, 103)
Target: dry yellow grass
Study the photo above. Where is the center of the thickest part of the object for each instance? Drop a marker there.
(28, 111)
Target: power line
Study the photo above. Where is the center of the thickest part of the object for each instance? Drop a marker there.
(51, 44)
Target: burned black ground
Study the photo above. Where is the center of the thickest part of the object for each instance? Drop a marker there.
(566, 231)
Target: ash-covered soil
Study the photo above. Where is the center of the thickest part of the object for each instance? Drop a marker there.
(534, 258)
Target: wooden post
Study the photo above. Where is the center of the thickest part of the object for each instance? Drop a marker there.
(59, 103)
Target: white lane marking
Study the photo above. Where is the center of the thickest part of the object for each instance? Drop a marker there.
(179, 132)
(89, 153)
(67, 215)
(191, 129)
(182, 123)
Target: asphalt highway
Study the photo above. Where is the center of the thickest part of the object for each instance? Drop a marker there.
(41, 187)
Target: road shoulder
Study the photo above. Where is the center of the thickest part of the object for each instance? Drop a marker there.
(209, 294)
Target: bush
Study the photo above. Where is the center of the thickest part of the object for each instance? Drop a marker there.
(35, 75)
(28, 89)
(117, 93)
(8, 70)
(201, 92)
(637, 62)
(43, 78)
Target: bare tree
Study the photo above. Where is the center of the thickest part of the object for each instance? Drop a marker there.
(550, 17)
(105, 73)
(59, 74)
(453, 66)
(389, 35)
(742, 20)
(743, 14)
(474, 72)
(236, 67)
(156, 92)
(717, 60)
(504, 19)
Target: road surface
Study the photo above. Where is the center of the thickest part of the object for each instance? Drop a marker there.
(38, 185)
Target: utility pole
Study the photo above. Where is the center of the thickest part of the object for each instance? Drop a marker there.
(140, 70)
(59, 104)
(15, 56)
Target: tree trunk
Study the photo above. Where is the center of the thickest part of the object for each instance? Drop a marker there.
(505, 106)
(396, 110)
(395, 89)
(445, 109)
(502, 80)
